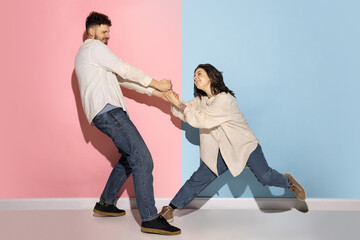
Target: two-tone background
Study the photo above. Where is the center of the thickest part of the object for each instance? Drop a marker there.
(293, 65)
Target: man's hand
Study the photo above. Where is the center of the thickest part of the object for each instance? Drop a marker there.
(163, 85)
(159, 94)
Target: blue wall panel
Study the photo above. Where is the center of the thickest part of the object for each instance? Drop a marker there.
(295, 69)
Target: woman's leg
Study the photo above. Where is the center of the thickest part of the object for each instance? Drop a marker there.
(199, 180)
(193, 186)
(266, 175)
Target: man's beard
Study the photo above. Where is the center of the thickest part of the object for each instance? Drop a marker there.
(104, 40)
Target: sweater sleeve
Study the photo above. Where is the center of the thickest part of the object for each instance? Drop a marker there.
(135, 86)
(177, 113)
(192, 103)
(209, 116)
(101, 55)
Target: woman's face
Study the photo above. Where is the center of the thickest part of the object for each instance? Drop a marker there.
(202, 80)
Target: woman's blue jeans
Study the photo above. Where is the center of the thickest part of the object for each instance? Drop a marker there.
(135, 159)
(202, 177)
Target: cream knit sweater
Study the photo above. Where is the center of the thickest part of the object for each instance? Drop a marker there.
(222, 126)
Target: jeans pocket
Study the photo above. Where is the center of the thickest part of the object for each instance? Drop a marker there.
(101, 121)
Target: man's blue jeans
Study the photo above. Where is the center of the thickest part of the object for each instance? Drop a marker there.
(202, 177)
(135, 159)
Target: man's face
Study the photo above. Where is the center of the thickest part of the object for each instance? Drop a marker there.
(101, 33)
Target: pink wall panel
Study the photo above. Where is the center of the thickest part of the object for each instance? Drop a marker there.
(47, 147)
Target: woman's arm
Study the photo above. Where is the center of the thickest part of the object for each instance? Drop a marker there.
(207, 115)
(173, 98)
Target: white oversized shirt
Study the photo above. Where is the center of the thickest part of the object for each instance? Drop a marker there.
(100, 73)
(222, 126)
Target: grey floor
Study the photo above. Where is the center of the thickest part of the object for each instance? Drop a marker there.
(195, 224)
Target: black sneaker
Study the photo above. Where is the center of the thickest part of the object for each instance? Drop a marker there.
(108, 210)
(159, 225)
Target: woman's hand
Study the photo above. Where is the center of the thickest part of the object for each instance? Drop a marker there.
(173, 98)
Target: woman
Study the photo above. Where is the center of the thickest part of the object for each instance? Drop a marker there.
(226, 140)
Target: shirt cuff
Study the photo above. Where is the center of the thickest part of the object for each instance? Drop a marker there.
(147, 81)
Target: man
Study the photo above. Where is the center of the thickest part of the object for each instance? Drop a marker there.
(100, 72)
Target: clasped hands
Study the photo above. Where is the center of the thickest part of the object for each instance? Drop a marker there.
(172, 97)
(168, 93)
(165, 92)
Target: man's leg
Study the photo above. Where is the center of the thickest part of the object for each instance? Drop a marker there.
(136, 159)
(117, 125)
(117, 178)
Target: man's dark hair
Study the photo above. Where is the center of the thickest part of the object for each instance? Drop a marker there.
(95, 19)
(217, 84)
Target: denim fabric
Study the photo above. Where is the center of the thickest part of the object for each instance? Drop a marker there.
(265, 174)
(202, 177)
(108, 107)
(135, 159)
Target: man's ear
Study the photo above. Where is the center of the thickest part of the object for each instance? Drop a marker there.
(91, 32)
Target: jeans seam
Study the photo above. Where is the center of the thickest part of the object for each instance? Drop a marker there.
(119, 121)
(142, 172)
